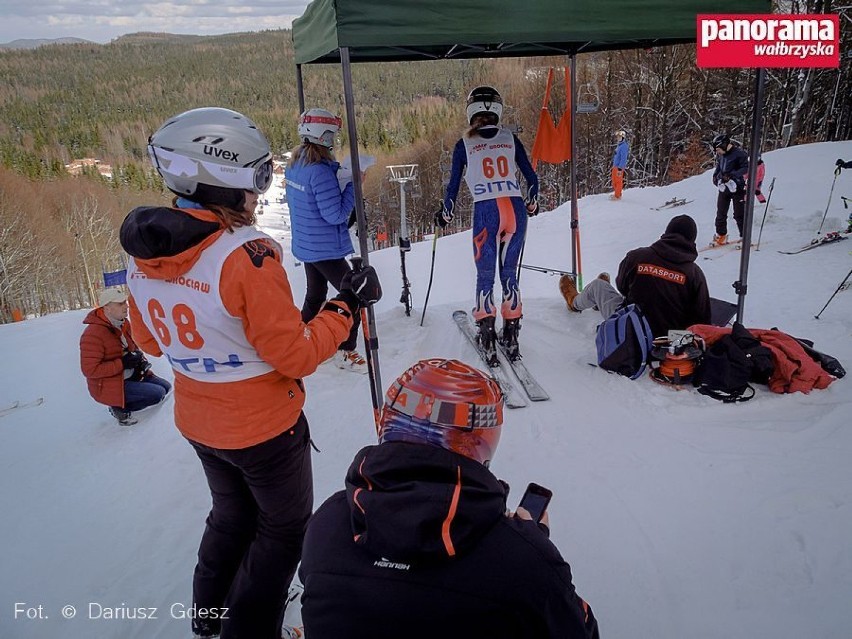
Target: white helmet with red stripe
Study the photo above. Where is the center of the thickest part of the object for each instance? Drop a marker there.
(319, 126)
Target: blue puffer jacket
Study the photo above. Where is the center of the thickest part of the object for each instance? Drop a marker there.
(319, 212)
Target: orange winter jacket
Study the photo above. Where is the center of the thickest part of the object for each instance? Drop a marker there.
(253, 287)
(794, 370)
(100, 357)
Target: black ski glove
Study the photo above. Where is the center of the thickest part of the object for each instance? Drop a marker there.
(363, 283)
(132, 359)
(359, 287)
(532, 206)
(444, 216)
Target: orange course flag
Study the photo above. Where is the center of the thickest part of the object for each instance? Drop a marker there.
(553, 141)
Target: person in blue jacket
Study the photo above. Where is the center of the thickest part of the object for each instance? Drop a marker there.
(489, 156)
(320, 205)
(619, 163)
(730, 178)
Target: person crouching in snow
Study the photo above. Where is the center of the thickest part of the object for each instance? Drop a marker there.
(116, 371)
(319, 218)
(420, 543)
(489, 156)
(619, 163)
(209, 291)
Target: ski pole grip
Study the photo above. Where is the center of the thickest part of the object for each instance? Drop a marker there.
(357, 263)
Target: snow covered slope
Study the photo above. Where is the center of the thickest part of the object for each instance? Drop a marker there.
(681, 517)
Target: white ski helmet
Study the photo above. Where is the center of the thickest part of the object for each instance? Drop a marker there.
(214, 147)
(319, 126)
(621, 134)
(484, 100)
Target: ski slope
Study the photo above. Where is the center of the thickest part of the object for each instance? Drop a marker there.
(681, 517)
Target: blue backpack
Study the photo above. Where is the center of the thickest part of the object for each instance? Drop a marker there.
(624, 341)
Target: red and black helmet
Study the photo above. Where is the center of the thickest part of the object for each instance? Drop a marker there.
(445, 403)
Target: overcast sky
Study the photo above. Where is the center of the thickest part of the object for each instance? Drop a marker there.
(103, 20)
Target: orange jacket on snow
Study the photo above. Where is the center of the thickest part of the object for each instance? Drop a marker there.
(100, 357)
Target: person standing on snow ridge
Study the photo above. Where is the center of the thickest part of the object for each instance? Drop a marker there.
(730, 178)
(841, 164)
(116, 371)
(420, 544)
(489, 156)
(320, 215)
(209, 291)
(619, 163)
(662, 279)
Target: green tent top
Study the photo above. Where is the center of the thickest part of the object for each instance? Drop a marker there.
(376, 30)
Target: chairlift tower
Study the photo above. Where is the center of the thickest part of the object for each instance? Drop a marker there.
(403, 173)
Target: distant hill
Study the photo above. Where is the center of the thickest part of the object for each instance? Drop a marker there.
(148, 37)
(36, 43)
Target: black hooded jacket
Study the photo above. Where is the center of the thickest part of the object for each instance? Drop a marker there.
(666, 283)
(418, 546)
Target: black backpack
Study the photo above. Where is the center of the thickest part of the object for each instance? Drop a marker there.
(730, 364)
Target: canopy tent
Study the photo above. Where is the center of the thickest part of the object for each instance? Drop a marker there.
(388, 30)
(349, 31)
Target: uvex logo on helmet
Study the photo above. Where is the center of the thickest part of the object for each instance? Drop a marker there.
(216, 152)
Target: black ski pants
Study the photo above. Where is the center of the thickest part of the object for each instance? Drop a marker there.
(318, 276)
(262, 499)
(723, 203)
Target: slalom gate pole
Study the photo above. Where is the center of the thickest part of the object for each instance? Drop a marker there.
(765, 211)
(842, 284)
(431, 274)
(375, 391)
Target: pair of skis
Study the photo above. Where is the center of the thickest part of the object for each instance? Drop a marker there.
(513, 397)
(828, 238)
(11, 408)
(672, 203)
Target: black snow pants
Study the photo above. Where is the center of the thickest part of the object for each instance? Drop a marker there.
(723, 203)
(262, 499)
(318, 276)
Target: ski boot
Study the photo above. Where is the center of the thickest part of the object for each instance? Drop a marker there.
(509, 338)
(487, 340)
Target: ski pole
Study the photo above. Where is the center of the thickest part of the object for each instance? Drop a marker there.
(839, 288)
(372, 369)
(542, 269)
(828, 204)
(765, 211)
(431, 274)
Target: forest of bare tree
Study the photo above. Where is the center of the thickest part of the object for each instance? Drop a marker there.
(65, 102)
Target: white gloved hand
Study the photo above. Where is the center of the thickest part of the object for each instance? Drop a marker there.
(722, 186)
(344, 176)
(732, 186)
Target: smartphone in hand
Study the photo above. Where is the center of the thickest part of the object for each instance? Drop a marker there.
(535, 501)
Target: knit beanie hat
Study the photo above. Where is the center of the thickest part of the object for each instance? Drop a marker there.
(684, 226)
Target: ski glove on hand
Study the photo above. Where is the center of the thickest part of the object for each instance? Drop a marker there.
(732, 186)
(360, 288)
(722, 186)
(132, 359)
(444, 216)
(531, 203)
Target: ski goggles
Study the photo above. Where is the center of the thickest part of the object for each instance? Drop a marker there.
(255, 176)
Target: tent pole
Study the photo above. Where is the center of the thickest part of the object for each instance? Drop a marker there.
(575, 215)
(371, 339)
(741, 285)
(300, 88)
